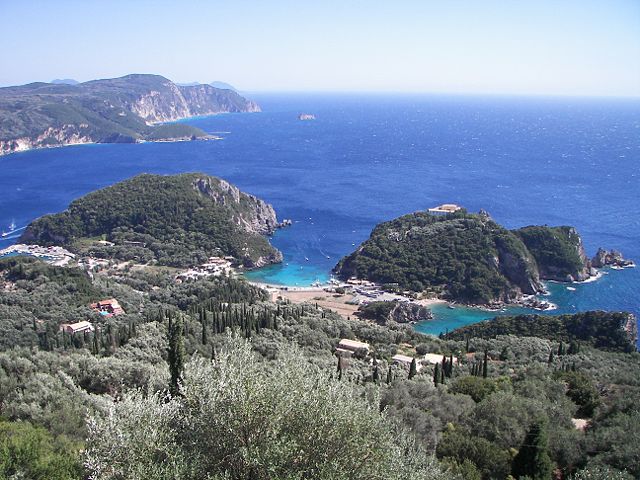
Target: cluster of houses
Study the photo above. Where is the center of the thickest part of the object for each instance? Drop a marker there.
(347, 347)
(214, 267)
(107, 308)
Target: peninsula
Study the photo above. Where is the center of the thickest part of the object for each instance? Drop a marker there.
(128, 109)
(179, 221)
(469, 258)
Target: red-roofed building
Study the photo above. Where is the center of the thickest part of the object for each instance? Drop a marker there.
(108, 308)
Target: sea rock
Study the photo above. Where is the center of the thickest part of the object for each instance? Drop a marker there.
(605, 258)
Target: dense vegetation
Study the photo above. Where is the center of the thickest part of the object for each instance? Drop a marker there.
(107, 111)
(172, 393)
(175, 220)
(461, 256)
(557, 250)
(603, 330)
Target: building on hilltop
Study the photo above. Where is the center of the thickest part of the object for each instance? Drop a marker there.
(405, 361)
(349, 347)
(445, 209)
(434, 358)
(108, 308)
(79, 327)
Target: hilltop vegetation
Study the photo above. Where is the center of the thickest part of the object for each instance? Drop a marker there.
(173, 220)
(603, 330)
(107, 111)
(464, 257)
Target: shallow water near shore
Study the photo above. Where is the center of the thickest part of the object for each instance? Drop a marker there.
(370, 158)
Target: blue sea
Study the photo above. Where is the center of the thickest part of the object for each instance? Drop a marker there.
(369, 158)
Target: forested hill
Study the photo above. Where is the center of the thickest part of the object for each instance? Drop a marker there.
(466, 257)
(611, 331)
(106, 111)
(176, 220)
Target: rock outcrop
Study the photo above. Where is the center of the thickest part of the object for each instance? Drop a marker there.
(394, 311)
(607, 258)
(251, 214)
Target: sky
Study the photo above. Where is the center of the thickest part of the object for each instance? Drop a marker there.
(557, 47)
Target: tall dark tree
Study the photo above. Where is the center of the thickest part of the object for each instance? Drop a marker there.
(176, 354)
(485, 364)
(533, 459)
(413, 369)
(436, 374)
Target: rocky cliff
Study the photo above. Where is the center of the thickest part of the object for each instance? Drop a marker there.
(125, 109)
(250, 213)
(558, 252)
(395, 311)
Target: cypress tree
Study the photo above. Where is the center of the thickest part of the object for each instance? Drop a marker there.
(176, 354)
(376, 374)
(339, 370)
(561, 349)
(533, 459)
(485, 364)
(436, 374)
(413, 369)
(550, 361)
(442, 376)
(389, 375)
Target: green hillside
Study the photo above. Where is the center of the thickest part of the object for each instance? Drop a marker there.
(462, 256)
(174, 220)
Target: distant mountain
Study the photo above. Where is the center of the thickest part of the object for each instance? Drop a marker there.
(123, 109)
(65, 81)
(223, 86)
(178, 220)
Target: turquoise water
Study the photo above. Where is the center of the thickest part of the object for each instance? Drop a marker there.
(370, 158)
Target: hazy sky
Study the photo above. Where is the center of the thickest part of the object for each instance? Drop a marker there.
(579, 47)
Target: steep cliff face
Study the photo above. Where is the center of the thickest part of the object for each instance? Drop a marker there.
(124, 109)
(67, 134)
(558, 252)
(172, 102)
(250, 213)
(517, 265)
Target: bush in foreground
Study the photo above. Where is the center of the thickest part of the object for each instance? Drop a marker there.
(241, 418)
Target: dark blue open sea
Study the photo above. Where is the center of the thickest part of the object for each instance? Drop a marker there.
(368, 158)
